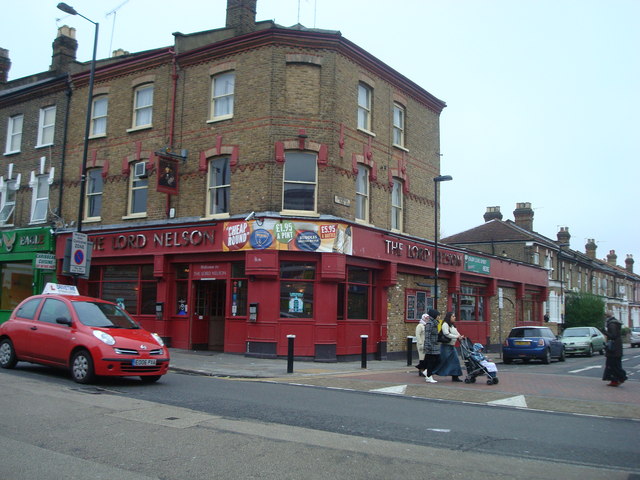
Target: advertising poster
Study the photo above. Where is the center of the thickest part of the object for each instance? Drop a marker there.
(274, 234)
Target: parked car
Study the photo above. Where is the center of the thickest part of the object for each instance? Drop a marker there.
(537, 343)
(634, 337)
(583, 340)
(88, 336)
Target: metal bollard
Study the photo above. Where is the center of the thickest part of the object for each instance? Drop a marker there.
(409, 350)
(364, 350)
(291, 339)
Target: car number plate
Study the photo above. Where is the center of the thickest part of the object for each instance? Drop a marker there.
(143, 362)
(521, 343)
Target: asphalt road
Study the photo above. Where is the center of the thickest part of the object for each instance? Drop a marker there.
(344, 434)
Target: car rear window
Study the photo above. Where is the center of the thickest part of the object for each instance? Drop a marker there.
(577, 332)
(28, 308)
(529, 332)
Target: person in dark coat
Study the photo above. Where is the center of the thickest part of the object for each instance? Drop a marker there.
(431, 345)
(613, 367)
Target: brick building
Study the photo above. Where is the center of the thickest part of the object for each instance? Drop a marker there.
(570, 271)
(256, 181)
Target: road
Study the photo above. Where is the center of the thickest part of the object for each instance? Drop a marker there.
(201, 427)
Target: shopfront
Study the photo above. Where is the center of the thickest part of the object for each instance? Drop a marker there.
(27, 263)
(243, 287)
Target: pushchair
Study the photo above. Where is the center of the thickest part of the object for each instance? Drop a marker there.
(473, 363)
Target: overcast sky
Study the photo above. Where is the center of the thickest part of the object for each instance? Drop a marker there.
(543, 96)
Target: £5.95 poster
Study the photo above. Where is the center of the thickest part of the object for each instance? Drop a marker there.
(287, 235)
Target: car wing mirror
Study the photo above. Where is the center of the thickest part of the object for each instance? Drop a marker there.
(63, 321)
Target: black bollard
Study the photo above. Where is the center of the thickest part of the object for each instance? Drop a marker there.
(409, 351)
(364, 350)
(291, 338)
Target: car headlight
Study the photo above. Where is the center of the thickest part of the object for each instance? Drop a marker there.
(158, 339)
(104, 337)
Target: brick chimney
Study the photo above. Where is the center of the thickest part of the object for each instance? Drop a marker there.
(590, 248)
(492, 213)
(65, 47)
(629, 263)
(612, 258)
(241, 16)
(564, 237)
(5, 65)
(523, 215)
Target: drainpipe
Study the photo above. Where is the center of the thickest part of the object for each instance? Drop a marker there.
(64, 144)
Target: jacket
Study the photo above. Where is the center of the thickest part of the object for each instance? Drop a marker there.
(420, 338)
(451, 332)
(613, 331)
(431, 345)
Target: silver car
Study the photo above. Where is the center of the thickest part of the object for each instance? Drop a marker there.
(583, 340)
(634, 337)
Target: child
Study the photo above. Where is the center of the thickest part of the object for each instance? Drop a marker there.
(479, 357)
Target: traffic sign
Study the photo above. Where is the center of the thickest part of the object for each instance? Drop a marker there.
(78, 263)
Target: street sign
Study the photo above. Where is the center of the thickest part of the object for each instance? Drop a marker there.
(45, 261)
(78, 261)
(500, 299)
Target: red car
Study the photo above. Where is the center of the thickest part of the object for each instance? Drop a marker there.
(86, 335)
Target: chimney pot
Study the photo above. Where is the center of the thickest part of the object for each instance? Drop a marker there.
(492, 213)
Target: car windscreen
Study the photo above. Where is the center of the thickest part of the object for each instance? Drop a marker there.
(104, 315)
(576, 332)
(526, 332)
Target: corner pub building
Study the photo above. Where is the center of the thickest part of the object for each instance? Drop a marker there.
(259, 181)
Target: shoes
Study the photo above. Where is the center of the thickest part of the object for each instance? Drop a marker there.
(455, 379)
(430, 380)
(613, 384)
(421, 374)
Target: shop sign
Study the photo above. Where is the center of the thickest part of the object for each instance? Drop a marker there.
(296, 302)
(45, 261)
(166, 240)
(477, 264)
(419, 253)
(210, 271)
(20, 241)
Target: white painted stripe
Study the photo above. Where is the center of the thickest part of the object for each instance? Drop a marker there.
(439, 430)
(584, 369)
(517, 401)
(398, 390)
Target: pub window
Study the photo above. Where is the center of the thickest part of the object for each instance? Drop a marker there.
(182, 290)
(469, 303)
(133, 287)
(239, 290)
(296, 289)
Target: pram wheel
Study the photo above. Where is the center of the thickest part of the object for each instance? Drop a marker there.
(490, 381)
(466, 380)
(495, 381)
(473, 380)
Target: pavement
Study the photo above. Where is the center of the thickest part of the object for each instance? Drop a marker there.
(529, 388)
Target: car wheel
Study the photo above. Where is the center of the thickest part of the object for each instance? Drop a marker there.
(526, 360)
(150, 379)
(82, 367)
(8, 357)
(590, 351)
(562, 356)
(547, 357)
(507, 360)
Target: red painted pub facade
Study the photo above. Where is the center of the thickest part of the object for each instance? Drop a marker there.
(243, 287)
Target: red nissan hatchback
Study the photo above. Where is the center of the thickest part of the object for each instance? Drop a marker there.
(88, 336)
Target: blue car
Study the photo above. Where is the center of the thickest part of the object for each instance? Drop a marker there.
(537, 343)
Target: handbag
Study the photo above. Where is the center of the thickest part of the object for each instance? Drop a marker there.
(442, 338)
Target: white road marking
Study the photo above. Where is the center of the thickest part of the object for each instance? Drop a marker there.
(585, 368)
(398, 390)
(517, 401)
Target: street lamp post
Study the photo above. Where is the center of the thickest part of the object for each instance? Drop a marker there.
(436, 181)
(87, 128)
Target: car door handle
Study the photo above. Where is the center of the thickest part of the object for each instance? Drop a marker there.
(33, 328)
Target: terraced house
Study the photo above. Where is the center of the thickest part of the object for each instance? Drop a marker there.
(256, 181)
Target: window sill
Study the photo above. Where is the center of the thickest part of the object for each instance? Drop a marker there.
(37, 222)
(45, 145)
(360, 221)
(220, 118)
(92, 220)
(400, 147)
(218, 216)
(99, 135)
(15, 152)
(141, 127)
(300, 213)
(135, 216)
(366, 132)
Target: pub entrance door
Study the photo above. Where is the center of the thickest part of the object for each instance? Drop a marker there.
(210, 310)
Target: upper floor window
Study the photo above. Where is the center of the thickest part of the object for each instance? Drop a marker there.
(138, 189)
(398, 124)
(40, 200)
(362, 193)
(14, 134)
(396, 205)
(364, 107)
(300, 180)
(143, 106)
(93, 204)
(99, 111)
(7, 202)
(222, 94)
(219, 188)
(46, 126)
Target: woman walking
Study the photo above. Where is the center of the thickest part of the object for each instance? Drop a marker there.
(420, 344)
(431, 347)
(613, 367)
(449, 361)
